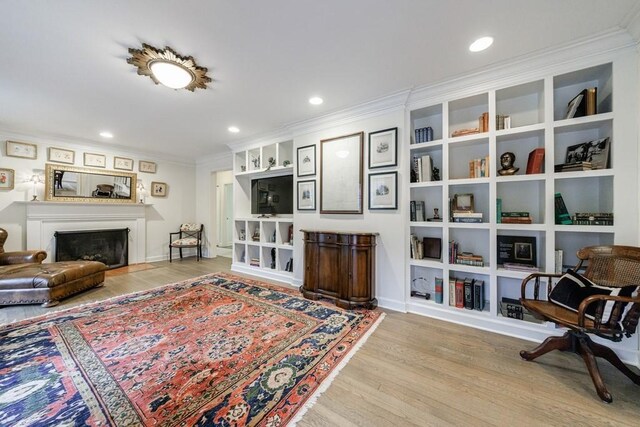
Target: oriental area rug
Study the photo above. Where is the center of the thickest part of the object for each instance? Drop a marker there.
(218, 350)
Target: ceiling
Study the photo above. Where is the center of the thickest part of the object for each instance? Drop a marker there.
(64, 73)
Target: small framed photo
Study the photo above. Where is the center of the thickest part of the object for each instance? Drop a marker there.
(7, 179)
(596, 152)
(383, 190)
(147, 167)
(307, 160)
(22, 149)
(574, 105)
(123, 163)
(383, 148)
(307, 195)
(159, 189)
(463, 203)
(95, 160)
(61, 155)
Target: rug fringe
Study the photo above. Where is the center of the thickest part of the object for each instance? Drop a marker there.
(329, 379)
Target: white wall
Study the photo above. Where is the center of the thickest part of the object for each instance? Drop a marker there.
(390, 249)
(164, 214)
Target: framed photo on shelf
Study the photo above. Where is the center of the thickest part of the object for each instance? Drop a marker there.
(61, 155)
(159, 189)
(341, 174)
(307, 160)
(22, 149)
(517, 250)
(596, 152)
(7, 179)
(95, 160)
(147, 167)
(123, 163)
(383, 190)
(463, 203)
(307, 195)
(383, 148)
(575, 106)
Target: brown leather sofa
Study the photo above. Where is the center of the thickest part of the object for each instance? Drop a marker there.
(25, 280)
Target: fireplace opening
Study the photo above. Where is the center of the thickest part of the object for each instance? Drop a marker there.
(107, 246)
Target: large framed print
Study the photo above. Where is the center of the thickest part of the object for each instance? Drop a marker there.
(383, 148)
(307, 195)
(307, 160)
(95, 160)
(61, 155)
(21, 149)
(383, 190)
(341, 174)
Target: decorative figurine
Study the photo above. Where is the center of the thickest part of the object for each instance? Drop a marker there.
(436, 214)
(507, 161)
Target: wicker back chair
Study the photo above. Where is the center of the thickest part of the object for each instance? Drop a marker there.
(611, 266)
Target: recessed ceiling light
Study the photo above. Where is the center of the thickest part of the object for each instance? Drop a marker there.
(316, 100)
(106, 134)
(481, 44)
(233, 129)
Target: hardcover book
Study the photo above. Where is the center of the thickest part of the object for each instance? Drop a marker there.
(468, 293)
(459, 293)
(438, 287)
(535, 163)
(478, 295)
(452, 292)
(561, 213)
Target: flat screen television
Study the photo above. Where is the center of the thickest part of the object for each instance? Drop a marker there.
(272, 196)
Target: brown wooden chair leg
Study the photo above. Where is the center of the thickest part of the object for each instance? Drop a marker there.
(592, 366)
(606, 353)
(562, 343)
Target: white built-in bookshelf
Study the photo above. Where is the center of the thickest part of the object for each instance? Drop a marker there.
(262, 246)
(537, 109)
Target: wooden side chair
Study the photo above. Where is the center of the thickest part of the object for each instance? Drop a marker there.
(611, 310)
(189, 236)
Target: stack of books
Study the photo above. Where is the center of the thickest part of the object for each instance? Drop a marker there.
(466, 217)
(479, 168)
(466, 293)
(572, 167)
(520, 217)
(592, 218)
(468, 258)
(512, 308)
(416, 210)
(255, 262)
(417, 248)
(422, 168)
(519, 267)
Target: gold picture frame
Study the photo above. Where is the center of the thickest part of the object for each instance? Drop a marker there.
(158, 189)
(463, 203)
(23, 150)
(61, 155)
(147, 167)
(7, 179)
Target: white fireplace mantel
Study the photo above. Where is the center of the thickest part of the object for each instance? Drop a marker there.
(45, 218)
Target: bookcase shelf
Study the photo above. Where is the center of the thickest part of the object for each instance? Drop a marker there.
(537, 111)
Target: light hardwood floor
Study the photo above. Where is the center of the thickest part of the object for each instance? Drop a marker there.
(417, 371)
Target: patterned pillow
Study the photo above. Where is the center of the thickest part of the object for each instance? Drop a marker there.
(189, 227)
(573, 288)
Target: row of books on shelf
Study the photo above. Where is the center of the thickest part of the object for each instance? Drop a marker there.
(479, 168)
(503, 122)
(466, 258)
(424, 134)
(466, 293)
(422, 169)
(579, 218)
(473, 217)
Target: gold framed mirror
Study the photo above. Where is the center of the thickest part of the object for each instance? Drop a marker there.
(86, 185)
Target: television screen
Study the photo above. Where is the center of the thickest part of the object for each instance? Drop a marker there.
(272, 196)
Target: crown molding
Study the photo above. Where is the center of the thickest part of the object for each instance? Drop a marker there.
(277, 135)
(631, 22)
(216, 162)
(379, 106)
(64, 141)
(583, 52)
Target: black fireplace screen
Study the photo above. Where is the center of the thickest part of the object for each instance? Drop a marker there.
(108, 246)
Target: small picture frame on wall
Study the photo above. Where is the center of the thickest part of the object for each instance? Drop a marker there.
(307, 160)
(61, 155)
(383, 191)
(159, 189)
(22, 149)
(95, 160)
(383, 148)
(307, 195)
(7, 179)
(147, 167)
(123, 163)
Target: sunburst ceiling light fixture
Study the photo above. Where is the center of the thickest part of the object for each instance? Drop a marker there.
(167, 67)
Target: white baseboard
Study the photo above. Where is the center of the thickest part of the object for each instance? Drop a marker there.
(392, 304)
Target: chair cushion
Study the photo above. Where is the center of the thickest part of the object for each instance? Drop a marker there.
(573, 288)
(190, 227)
(187, 241)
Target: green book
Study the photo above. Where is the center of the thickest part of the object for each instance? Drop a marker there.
(562, 215)
(498, 211)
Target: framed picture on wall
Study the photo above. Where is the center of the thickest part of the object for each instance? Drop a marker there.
(341, 174)
(147, 167)
(95, 160)
(383, 190)
(21, 149)
(307, 195)
(307, 160)
(383, 148)
(61, 155)
(123, 163)
(159, 189)
(7, 179)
